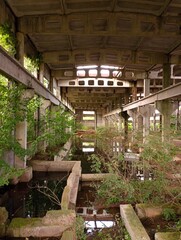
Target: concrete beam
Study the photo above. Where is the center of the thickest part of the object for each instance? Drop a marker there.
(114, 24)
(120, 56)
(13, 69)
(166, 93)
(94, 82)
(116, 111)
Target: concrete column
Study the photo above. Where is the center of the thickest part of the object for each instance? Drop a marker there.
(21, 132)
(166, 108)
(45, 104)
(140, 123)
(20, 48)
(134, 92)
(41, 72)
(146, 112)
(99, 117)
(166, 75)
(146, 89)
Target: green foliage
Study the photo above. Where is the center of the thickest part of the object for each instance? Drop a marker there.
(178, 225)
(7, 172)
(96, 163)
(156, 151)
(56, 127)
(169, 214)
(79, 227)
(114, 189)
(11, 113)
(155, 159)
(7, 38)
(32, 64)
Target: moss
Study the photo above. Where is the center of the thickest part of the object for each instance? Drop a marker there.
(22, 222)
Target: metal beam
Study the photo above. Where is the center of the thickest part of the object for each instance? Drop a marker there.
(167, 93)
(104, 24)
(11, 68)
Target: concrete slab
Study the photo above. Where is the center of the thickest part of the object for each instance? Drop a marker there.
(133, 223)
(168, 236)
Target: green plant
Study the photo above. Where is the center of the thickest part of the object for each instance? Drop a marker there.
(8, 172)
(114, 189)
(169, 214)
(155, 161)
(56, 127)
(79, 228)
(7, 38)
(178, 225)
(32, 64)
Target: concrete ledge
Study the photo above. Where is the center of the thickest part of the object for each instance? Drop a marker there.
(69, 235)
(151, 211)
(52, 225)
(77, 168)
(65, 200)
(132, 223)
(94, 177)
(69, 196)
(168, 236)
(74, 193)
(148, 211)
(52, 166)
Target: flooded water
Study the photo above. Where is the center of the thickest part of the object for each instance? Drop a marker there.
(35, 198)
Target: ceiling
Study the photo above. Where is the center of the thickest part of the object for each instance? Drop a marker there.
(135, 35)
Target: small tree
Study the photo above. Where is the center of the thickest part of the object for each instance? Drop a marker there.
(155, 160)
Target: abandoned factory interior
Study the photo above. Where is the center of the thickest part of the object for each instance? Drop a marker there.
(90, 119)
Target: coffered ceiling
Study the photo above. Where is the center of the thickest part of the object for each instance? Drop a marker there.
(135, 35)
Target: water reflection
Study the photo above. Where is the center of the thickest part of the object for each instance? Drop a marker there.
(91, 226)
(35, 198)
(88, 146)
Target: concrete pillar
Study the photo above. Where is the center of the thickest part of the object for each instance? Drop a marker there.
(41, 72)
(134, 92)
(21, 132)
(146, 112)
(166, 108)
(99, 119)
(166, 75)
(20, 47)
(140, 123)
(146, 89)
(45, 104)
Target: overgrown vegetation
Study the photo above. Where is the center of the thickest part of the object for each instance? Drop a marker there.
(55, 127)
(122, 185)
(32, 64)
(7, 38)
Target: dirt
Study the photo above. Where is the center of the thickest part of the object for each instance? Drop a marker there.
(158, 224)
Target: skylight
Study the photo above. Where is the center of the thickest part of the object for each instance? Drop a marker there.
(87, 67)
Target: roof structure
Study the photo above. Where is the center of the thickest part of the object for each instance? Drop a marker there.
(136, 36)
